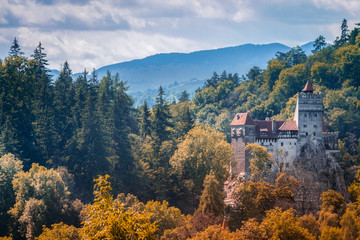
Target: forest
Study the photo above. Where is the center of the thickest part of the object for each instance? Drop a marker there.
(78, 161)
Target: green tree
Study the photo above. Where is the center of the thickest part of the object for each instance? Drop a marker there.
(9, 167)
(319, 44)
(63, 103)
(161, 118)
(203, 150)
(122, 159)
(184, 96)
(42, 198)
(260, 161)
(15, 49)
(212, 197)
(145, 122)
(42, 105)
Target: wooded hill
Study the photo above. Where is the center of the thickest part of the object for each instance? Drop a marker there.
(56, 137)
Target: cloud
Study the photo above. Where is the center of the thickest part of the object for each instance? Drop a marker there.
(93, 33)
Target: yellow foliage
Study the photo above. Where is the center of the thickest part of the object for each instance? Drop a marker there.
(284, 225)
(331, 233)
(216, 232)
(59, 231)
(108, 219)
(203, 150)
(260, 161)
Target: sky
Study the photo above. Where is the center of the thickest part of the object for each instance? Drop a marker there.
(91, 33)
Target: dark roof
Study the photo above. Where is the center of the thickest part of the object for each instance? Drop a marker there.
(266, 126)
(308, 87)
(288, 126)
(242, 119)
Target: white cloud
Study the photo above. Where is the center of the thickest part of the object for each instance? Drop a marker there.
(351, 6)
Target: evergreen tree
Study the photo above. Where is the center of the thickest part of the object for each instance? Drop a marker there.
(344, 31)
(145, 127)
(63, 103)
(89, 149)
(184, 96)
(319, 44)
(161, 118)
(42, 106)
(15, 49)
(122, 159)
(16, 97)
(213, 81)
(184, 120)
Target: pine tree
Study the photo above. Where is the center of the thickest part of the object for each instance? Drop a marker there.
(161, 118)
(184, 96)
(63, 103)
(319, 44)
(344, 32)
(184, 120)
(145, 122)
(15, 49)
(42, 106)
(122, 159)
(89, 149)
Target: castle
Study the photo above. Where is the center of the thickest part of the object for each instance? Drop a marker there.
(285, 140)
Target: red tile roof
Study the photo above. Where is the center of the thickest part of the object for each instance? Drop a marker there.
(308, 87)
(289, 126)
(242, 119)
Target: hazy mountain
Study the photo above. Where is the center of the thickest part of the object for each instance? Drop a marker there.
(187, 71)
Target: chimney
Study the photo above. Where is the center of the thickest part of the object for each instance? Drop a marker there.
(273, 125)
(267, 119)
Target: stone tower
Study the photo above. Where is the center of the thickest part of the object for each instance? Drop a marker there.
(309, 117)
(242, 133)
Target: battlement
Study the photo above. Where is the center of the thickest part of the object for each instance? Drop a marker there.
(303, 95)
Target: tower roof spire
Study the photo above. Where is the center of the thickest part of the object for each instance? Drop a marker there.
(308, 87)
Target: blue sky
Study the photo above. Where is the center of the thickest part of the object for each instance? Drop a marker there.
(91, 34)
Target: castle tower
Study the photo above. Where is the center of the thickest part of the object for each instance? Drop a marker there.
(242, 133)
(309, 116)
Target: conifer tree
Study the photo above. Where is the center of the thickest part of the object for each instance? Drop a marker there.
(184, 96)
(161, 118)
(122, 159)
(185, 120)
(145, 122)
(42, 106)
(63, 103)
(15, 49)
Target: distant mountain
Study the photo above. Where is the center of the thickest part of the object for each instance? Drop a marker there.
(177, 72)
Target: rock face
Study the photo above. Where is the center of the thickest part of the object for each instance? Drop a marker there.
(318, 172)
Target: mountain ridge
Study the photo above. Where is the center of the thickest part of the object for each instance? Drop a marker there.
(145, 75)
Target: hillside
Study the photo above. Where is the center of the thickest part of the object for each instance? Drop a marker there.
(177, 72)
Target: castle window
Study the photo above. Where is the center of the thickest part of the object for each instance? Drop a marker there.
(282, 144)
(294, 143)
(314, 134)
(305, 126)
(315, 116)
(290, 143)
(315, 126)
(307, 134)
(305, 117)
(270, 144)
